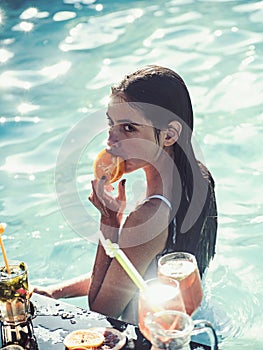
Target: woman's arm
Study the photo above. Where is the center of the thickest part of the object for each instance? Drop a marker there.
(75, 287)
(111, 215)
(142, 237)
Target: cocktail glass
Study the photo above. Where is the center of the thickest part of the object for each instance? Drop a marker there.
(14, 293)
(172, 330)
(183, 268)
(156, 297)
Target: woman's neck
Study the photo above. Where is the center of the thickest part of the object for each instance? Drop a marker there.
(159, 177)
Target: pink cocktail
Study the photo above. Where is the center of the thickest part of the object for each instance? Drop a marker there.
(158, 296)
(182, 267)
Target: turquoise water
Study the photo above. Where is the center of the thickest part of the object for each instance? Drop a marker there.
(57, 62)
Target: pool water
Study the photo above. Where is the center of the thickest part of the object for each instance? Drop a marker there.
(57, 63)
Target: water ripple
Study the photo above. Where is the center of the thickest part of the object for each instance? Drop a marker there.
(228, 93)
(99, 31)
(32, 78)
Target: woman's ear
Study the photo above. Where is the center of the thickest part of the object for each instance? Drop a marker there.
(172, 133)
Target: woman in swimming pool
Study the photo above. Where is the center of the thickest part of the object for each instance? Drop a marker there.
(150, 126)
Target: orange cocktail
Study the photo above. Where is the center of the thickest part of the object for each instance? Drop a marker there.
(182, 267)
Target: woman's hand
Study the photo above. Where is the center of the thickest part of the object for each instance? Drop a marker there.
(111, 208)
(46, 291)
(75, 287)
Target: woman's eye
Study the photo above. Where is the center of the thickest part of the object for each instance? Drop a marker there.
(128, 128)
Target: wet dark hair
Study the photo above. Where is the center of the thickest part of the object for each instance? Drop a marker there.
(159, 86)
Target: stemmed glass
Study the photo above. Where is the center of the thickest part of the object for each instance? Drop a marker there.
(183, 268)
(158, 296)
(172, 330)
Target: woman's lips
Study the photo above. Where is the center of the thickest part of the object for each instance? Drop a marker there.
(116, 152)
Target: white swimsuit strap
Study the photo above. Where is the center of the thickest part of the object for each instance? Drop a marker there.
(159, 196)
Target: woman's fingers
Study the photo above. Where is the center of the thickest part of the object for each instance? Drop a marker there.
(104, 202)
(121, 196)
(43, 291)
(122, 191)
(96, 197)
(100, 188)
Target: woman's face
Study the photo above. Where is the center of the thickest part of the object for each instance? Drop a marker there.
(131, 135)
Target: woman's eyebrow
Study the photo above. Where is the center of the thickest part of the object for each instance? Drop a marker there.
(128, 121)
(123, 121)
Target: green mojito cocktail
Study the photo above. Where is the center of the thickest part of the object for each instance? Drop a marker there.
(14, 293)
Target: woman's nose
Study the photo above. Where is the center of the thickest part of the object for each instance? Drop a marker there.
(113, 136)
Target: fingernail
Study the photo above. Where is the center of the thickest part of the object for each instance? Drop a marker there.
(123, 182)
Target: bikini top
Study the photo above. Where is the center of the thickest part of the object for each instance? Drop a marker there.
(159, 196)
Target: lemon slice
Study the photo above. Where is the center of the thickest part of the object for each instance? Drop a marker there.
(83, 339)
(109, 166)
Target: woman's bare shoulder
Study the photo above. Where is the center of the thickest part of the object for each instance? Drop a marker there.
(148, 221)
(148, 212)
